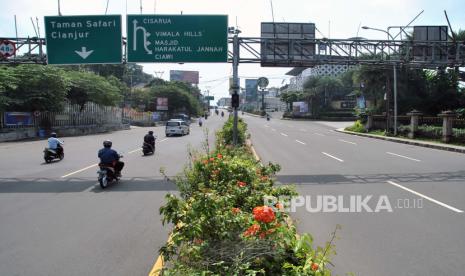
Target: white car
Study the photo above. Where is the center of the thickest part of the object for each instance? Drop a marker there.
(176, 127)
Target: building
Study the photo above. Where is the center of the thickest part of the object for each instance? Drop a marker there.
(300, 75)
(224, 102)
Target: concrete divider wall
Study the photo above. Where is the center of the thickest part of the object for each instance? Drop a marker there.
(29, 133)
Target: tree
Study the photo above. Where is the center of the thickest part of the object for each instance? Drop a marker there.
(8, 82)
(39, 88)
(290, 97)
(179, 100)
(89, 87)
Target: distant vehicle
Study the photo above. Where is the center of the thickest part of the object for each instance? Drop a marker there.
(176, 127)
(183, 117)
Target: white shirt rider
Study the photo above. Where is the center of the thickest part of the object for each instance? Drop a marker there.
(54, 142)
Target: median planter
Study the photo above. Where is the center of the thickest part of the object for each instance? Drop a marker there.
(226, 224)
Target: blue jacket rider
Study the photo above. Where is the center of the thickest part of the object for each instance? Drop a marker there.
(110, 157)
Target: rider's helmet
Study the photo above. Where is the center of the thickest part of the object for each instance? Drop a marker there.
(151, 132)
(107, 143)
(53, 134)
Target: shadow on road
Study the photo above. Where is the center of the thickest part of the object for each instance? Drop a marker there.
(76, 185)
(318, 179)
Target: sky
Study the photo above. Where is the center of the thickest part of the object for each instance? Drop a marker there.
(333, 18)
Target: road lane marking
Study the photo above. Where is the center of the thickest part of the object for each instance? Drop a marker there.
(413, 159)
(329, 155)
(304, 130)
(163, 140)
(316, 133)
(132, 151)
(273, 129)
(347, 142)
(300, 142)
(284, 134)
(78, 171)
(426, 197)
(267, 126)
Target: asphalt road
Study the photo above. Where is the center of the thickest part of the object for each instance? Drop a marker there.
(427, 238)
(55, 219)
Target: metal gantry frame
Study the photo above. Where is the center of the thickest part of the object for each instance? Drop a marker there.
(421, 54)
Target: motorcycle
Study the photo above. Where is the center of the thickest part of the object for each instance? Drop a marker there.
(107, 175)
(267, 118)
(147, 149)
(200, 123)
(51, 154)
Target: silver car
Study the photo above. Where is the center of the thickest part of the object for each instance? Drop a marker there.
(176, 127)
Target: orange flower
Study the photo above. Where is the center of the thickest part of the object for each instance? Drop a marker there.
(252, 230)
(314, 266)
(279, 206)
(205, 162)
(216, 172)
(212, 159)
(264, 178)
(219, 156)
(198, 241)
(262, 235)
(241, 184)
(235, 210)
(264, 214)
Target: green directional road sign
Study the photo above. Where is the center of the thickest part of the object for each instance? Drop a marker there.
(83, 39)
(210, 98)
(177, 38)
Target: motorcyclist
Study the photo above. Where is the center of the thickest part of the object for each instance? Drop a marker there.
(150, 139)
(109, 157)
(55, 144)
(200, 121)
(268, 117)
(222, 114)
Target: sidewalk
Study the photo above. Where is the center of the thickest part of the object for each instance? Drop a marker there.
(420, 143)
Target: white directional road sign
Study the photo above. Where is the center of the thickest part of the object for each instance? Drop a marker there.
(83, 39)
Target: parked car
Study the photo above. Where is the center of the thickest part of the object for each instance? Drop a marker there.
(177, 127)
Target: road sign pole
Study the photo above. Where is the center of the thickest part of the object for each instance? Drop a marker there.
(235, 82)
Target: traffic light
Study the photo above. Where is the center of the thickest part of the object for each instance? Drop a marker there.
(235, 100)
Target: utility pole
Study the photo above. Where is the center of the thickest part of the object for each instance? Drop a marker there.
(235, 84)
(59, 10)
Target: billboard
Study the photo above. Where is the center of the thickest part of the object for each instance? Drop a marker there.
(18, 118)
(287, 44)
(300, 107)
(251, 87)
(162, 104)
(422, 51)
(191, 77)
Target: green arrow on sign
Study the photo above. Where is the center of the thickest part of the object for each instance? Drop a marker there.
(84, 39)
(177, 38)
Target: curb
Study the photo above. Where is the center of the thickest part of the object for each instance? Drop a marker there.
(406, 141)
(254, 115)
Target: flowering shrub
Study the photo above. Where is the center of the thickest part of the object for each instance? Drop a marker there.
(222, 227)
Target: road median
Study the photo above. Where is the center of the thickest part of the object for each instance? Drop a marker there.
(419, 143)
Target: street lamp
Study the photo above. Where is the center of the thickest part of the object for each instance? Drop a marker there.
(395, 78)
